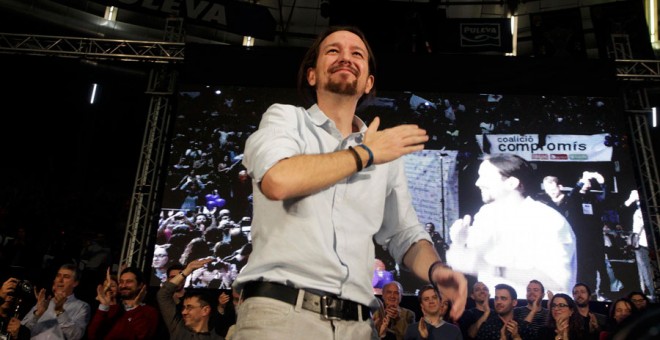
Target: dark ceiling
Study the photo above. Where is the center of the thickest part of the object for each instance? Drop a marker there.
(294, 22)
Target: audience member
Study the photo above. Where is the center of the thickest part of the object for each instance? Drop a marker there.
(533, 312)
(392, 321)
(192, 186)
(172, 271)
(472, 318)
(445, 308)
(640, 300)
(180, 291)
(10, 324)
(642, 325)
(564, 322)
(620, 310)
(502, 324)
(512, 235)
(193, 322)
(110, 288)
(132, 319)
(195, 249)
(431, 325)
(226, 312)
(593, 322)
(161, 261)
(61, 315)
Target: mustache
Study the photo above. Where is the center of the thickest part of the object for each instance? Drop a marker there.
(336, 68)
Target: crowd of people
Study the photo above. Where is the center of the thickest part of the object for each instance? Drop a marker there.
(123, 310)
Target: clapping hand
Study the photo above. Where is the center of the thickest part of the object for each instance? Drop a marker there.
(42, 301)
(104, 293)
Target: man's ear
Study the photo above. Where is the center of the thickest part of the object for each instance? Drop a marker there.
(370, 84)
(311, 77)
(512, 182)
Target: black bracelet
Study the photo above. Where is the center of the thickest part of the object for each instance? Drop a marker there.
(371, 155)
(432, 268)
(358, 159)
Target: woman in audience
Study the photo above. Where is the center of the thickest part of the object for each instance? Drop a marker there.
(620, 310)
(564, 322)
(160, 263)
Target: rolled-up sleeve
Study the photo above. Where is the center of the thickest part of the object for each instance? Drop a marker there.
(277, 138)
(401, 227)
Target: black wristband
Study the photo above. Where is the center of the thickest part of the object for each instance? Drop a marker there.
(432, 268)
(371, 155)
(358, 159)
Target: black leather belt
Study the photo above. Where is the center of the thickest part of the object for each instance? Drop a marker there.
(329, 306)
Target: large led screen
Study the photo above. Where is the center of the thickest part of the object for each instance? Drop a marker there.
(566, 140)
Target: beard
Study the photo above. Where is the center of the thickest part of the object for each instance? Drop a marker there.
(486, 198)
(343, 88)
(127, 294)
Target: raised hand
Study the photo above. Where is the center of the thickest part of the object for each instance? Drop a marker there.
(42, 302)
(103, 296)
(536, 304)
(487, 304)
(223, 299)
(199, 263)
(384, 323)
(13, 326)
(139, 298)
(562, 328)
(459, 230)
(8, 287)
(392, 143)
(452, 285)
(511, 327)
(60, 298)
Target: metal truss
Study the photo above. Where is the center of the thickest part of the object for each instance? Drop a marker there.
(637, 76)
(638, 70)
(144, 201)
(142, 217)
(99, 49)
(650, 187)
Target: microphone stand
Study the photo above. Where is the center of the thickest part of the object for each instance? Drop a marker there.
(442, 195)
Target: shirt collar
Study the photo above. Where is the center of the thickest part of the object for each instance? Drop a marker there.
(321, 120)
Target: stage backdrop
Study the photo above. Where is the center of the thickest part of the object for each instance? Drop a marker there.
(557, 125)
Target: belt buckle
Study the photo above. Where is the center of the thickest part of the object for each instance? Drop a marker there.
(328, 303)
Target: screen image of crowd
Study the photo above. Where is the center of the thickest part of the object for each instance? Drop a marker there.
(207, 209)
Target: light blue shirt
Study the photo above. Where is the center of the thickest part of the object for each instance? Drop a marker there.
(324, 241)
(70, 325)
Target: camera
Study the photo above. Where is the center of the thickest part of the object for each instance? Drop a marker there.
(23, 287)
